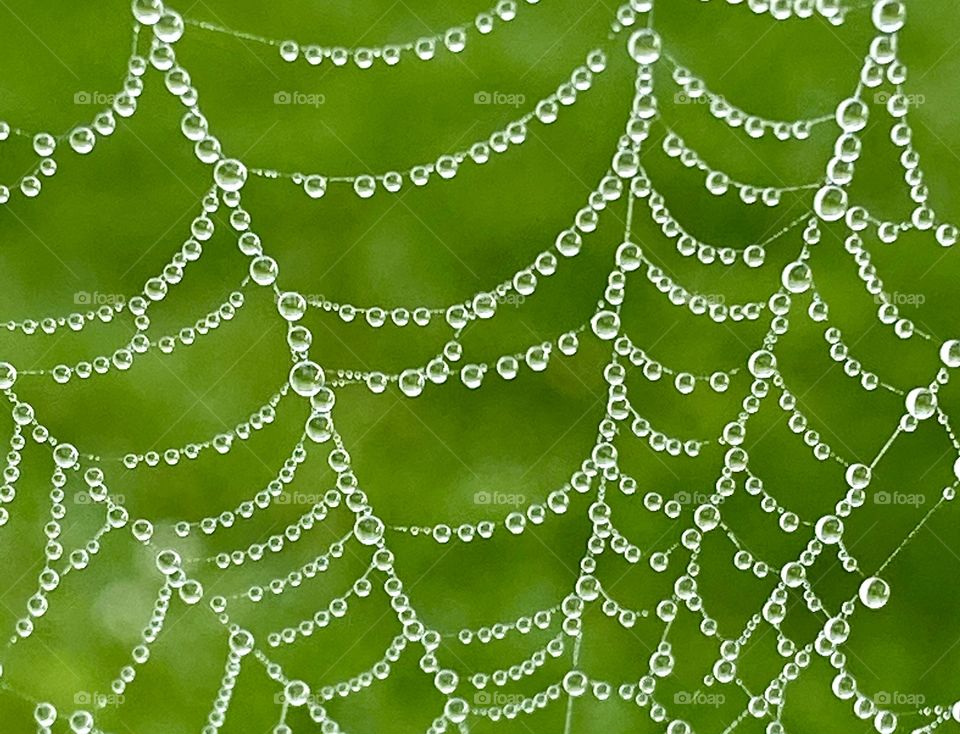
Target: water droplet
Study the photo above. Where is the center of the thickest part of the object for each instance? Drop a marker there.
(644, 46)
(889, 15)
(230, 174)
(874, 592)
(368, 530)
(921, 403)
(829, 529)
(830, 203)
(306, 378)
(797, 277)
(8, 375)
(605, 324)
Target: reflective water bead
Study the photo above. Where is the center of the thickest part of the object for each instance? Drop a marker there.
(605, 324)
(829, 529)
(315, 186)
(921, 403)
(762, 364)
(82, 140)
(797, 277)
(830, 203)
(644, 46)
(306, 378)
(365, 186)
(874, 592)
(264, 270)
(8, 375)
(889, 16)
(230, 174)
(949, 355)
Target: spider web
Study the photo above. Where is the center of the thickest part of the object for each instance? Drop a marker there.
(625, 192)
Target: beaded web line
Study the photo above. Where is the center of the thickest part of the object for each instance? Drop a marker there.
(625, 181)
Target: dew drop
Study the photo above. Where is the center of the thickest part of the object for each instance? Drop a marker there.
(230, 174)
(874, 592)
(644, 46)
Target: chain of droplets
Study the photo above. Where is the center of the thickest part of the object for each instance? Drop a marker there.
(921, 403)
(263, 499)
(684, 381)
(888, 313)
(11, 470)
(880, 64)
(515, 522)
(840, 351)
(123, 358)
(719, 183)
(335, 609)
(446, 166)
(916, 403)
(83, 138)
(168, 28)
(873, 591)
(687, 245)
(221, 442)
(65, 457)
(453, 39)
(695, 91)
(834, 11)
(256, 552)
(483, 304)
(154, 289)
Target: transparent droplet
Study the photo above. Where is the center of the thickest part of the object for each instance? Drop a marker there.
(874, 592)
(230, 174)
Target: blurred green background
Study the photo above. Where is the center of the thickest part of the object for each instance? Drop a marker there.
(106, 222)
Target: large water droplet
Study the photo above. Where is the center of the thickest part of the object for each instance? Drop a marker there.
(874, 592)
(230, 174)
(644, 46)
